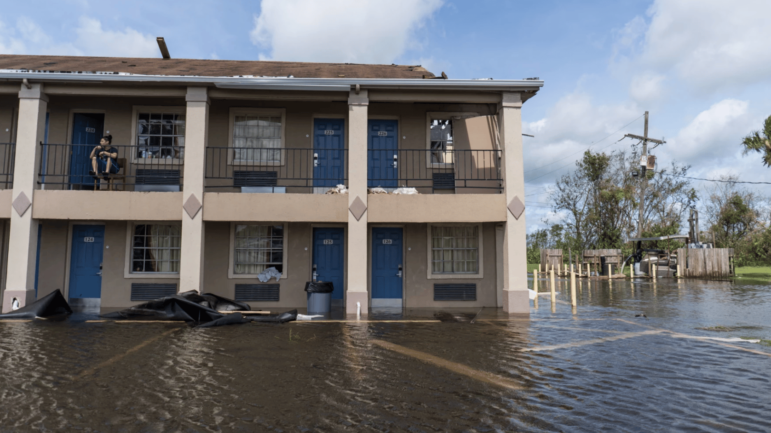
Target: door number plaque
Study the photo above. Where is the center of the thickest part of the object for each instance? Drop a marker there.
(329, 132)
(382, 133)
(88, 239)
(328, 241)
(388, 241)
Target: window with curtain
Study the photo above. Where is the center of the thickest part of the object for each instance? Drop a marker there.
(441, 140)
(257, 138)
(155, 248)
(160, 135)
(455, 250)
(258, 248)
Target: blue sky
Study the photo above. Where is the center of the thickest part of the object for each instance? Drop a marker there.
(702, 68)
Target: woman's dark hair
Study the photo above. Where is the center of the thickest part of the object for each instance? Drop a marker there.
(108, 138)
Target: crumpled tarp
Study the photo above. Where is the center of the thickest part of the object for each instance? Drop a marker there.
(197, 310)
(49, 306)
(269, 273)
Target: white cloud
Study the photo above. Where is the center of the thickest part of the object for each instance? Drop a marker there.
(361, 31)
(96, 41)
(714, 134)
(91, 39)
(647, 88)
(571, 126)
(709, 44)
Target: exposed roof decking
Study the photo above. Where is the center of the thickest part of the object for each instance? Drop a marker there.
(209, 68)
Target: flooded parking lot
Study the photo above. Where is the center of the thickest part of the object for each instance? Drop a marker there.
(680, 364)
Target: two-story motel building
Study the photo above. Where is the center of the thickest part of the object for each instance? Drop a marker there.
(226, 169)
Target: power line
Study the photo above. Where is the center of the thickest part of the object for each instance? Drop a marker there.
(717, 180)
(560, 168)
(590, 145)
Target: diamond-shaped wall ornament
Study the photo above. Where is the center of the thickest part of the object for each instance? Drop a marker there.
(516, 207)
(21, 204)
(192, 206)
(357, 208)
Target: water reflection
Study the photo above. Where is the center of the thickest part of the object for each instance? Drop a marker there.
(600, 368)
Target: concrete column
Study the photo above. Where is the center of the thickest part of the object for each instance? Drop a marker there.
(356, 267)
(196, 138)
(515, 295)
(22, 243)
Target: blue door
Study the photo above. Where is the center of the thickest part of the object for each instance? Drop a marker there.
(382, 143)
(86, 132)
(387, 264)
(86, 261)
(329, 258)
(328, 152)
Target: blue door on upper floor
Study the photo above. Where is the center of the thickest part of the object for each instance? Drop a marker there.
(87, 130)
(387, 271)
(328, 152)
(382, 145)
(86, 261)
(329, 258)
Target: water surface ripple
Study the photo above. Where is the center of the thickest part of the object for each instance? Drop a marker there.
(606, 374)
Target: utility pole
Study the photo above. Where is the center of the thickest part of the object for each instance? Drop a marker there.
(643, 164)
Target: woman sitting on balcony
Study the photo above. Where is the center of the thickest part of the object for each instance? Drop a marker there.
(104, 159)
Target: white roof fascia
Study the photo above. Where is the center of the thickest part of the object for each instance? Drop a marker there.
(279, 83)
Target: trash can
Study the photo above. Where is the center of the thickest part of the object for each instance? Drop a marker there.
(319, 296)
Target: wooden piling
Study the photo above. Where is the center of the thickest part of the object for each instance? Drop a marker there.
(553, 289)
(535, 287)
(573, 300)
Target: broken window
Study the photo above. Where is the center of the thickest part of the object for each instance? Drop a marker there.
(441, 140)
(160, 135)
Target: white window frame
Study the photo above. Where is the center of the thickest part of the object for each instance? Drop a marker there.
(127, 273)
(241, 111)
(136, 110)
(232, 246)
(480, 245)
(430, 117)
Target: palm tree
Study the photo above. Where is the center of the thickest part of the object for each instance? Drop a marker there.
(760, 143)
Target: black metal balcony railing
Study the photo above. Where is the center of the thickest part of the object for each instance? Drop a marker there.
(275, 170)
(430, 171)
(7, 157)
(142, 168)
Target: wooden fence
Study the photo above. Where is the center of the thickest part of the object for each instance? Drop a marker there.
(709, 262)
(594, 258)
(551, 258)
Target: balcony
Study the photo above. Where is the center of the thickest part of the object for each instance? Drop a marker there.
(285, 170)
(142, 168)
(436, 171)
(7, 158)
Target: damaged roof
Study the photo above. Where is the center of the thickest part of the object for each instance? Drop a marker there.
(209, 68)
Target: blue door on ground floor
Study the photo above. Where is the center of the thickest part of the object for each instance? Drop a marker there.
(387, 271)
(329, 258)
(86, 261)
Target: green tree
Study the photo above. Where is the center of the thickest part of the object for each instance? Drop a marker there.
(760, 141)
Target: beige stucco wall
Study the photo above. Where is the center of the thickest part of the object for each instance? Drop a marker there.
(116, 289)
(297, 270)
(437, 208)
(107, 205)
(419, 289)
(275, 207)
(6, 203)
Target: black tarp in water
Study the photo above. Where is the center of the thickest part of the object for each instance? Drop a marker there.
(215, 302)
(49, 306)
(195, 309)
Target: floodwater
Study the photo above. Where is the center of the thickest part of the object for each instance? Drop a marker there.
(602, 369)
